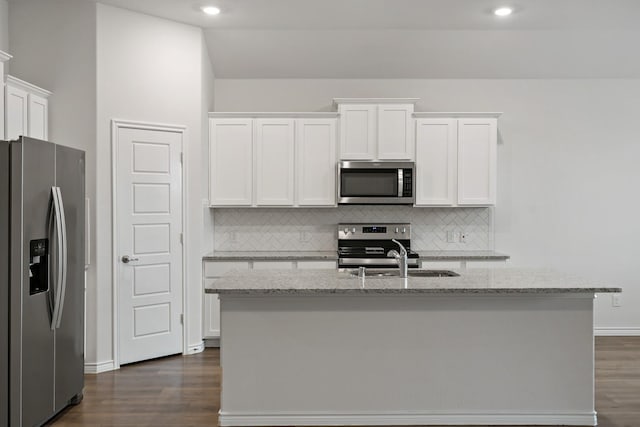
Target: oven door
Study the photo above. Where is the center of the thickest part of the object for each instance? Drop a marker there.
(374, 183)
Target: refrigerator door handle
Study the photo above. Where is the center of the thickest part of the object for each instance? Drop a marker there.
(50, 232)
(59, 256)
(63, 283)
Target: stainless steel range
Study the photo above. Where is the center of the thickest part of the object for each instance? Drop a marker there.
(368, 245)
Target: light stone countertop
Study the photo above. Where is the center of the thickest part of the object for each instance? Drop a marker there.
(462, 256)
(471, 281)
(271, 255)
(333, 255)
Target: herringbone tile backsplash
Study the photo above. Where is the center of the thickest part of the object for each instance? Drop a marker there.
(314, 229)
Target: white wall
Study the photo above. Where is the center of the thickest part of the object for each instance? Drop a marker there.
(4, 25)
(53, 46)
(208, 89)
(567, 158)
(151, 70)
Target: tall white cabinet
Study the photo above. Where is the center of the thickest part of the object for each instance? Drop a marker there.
(26, 110)
(376, 128)
(316, 162)
(272, 159)
(275, 162)
(456, 159)
(231, 161)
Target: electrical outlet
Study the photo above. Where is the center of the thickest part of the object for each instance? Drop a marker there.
(450, 236)
(463, 237)
(616, 300)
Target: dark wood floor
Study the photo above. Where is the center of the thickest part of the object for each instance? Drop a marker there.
(185, 391)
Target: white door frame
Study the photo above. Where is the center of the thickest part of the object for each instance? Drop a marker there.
(116, 125)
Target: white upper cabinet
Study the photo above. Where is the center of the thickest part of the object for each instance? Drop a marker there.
(456, 159)
(316, 164)
(274, 162)
(358, 131)
(26, 110)
(376, 128)
(17, 103)
(395, 132)
(477, 148)
(38, 117)
(273, 159)
(231, 162)
(436, 144)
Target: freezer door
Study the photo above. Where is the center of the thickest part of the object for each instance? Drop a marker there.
(69, 360)
(4, 283)
(31, 338)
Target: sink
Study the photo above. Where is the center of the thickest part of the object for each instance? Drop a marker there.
(410, 273)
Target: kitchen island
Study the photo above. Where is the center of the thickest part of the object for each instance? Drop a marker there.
(321, 347)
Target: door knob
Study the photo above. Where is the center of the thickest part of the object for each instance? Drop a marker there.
(127, 259)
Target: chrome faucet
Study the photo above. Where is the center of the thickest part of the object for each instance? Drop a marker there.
(401, 257)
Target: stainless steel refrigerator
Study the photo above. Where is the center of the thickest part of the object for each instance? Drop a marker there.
(42, 192)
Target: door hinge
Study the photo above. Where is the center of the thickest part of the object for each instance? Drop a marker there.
(182, 319)
(181, 238)
(181, 158)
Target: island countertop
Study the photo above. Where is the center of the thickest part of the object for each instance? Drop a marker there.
(470, 281)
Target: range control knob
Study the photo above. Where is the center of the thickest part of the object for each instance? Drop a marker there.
(353, 230)
(397, 229)
(404, 230)
(346, 231)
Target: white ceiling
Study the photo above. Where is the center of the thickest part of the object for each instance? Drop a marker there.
(412, 38)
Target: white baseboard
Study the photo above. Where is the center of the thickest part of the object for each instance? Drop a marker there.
(617, 332)
(195, 348)
(302, 419)
(99, 367)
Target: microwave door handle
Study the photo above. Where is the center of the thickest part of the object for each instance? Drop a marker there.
(400, 181)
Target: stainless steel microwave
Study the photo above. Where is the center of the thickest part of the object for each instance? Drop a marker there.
(376, 183)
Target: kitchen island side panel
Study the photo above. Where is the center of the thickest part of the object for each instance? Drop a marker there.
(407, 359)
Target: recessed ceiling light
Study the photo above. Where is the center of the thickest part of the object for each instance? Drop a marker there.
(503, 11)
(210, 10)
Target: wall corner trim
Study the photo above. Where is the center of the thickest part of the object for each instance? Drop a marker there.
(195, 348)
(99, 367)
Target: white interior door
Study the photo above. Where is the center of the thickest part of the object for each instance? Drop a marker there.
(149, 227)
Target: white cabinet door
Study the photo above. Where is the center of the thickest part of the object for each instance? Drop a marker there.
(477, 146)
(358, 131)
(231, 162)
(211, 316)
(16, 112)
(273, 265)
(395, 132)
(38, 113)
(436, 141)
(316, 162)
(274, 162)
